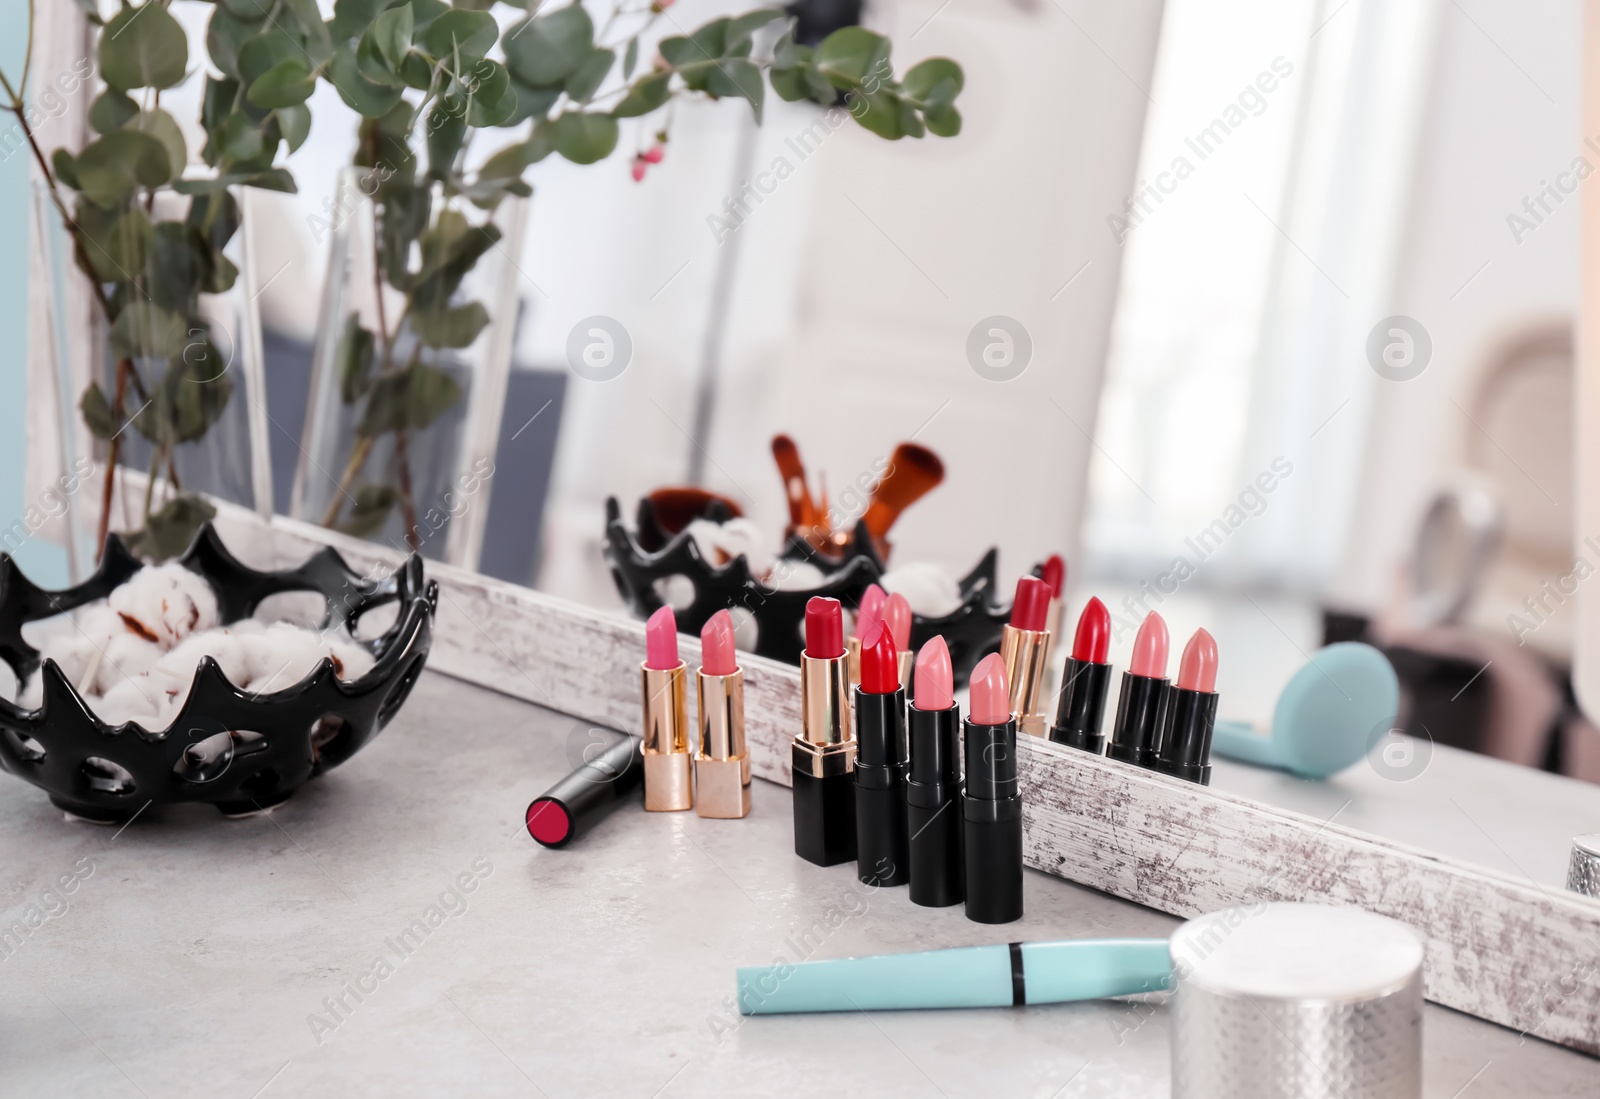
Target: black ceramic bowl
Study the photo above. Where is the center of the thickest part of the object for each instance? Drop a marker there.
(239, 751)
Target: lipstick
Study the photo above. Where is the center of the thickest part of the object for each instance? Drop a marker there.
(1141, 707)
(1054, 573)
(868, 611)
(1023, 644)
(662, 678)
(722, 765)
(933, 787)
(824, 753)
(897, 617)
(881, 852)
(596, 786)
(1084, 680)
(991, 808)
(1192, 713)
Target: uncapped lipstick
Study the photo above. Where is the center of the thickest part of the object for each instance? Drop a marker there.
(991, 808)
(881, 856)
(1024, 641)
(824, 753)
(1141, 707)
(1192, 713)
(1085, 678)
(667, 780)
(897, 617)
(868, 611)
(1054, 573)
(933, 788)
(721, 764)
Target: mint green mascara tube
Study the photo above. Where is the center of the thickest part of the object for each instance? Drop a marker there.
(1002, 975)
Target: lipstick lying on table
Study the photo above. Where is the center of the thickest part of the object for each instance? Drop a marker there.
(868, 611)
(881, 853)
(824, 753)
(897, 617)
(933, 788)
(667, 781)
(1141, 707)
(1024, 641)
(1084, 681)
(721, 763)
(1191, 713)
(991, 808)
(596, 786)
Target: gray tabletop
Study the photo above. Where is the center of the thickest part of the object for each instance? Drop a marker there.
(201, 956)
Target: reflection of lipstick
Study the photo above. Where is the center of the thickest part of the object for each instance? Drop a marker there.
(1023, 644)
(1192, 713)
(721, 765)
(897, 617)
(881, 857)
(868, 611)
(933, 788)
(1084, 680)
(667, 783)
(992, 807)
(1142, 705)
(1053, 573)
(824, 753)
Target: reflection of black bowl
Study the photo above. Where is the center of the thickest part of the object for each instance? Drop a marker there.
(238, 751)
(971, 630)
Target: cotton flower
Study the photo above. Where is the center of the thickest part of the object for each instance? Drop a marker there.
(164, 604)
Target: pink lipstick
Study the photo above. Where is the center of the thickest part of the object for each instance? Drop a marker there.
(1192, 713)
(933, 787)
(868, 612)
(1085, 679)
(1024, 642)
(721, 763)
(668, 785)
(991, 808)
(1141, 707)
(823, 755)
(897, 617)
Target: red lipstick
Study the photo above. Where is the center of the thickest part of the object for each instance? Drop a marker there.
(1192, 713)
(1085, 679)
(1142, 705)
(880, 771)
(721, 763)
(1054, 573)
(668, 785)
(823, 755)
(1024, 643)
(868, 612)
(578, 802)
(991, 808)
(933, 784)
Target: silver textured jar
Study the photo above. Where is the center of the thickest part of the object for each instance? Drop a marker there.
(1296, 1001)
(1583, 872)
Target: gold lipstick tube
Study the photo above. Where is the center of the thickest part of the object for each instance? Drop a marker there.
(852, 662)
(1052, 626)
(907, 660)
(1023, 652)
(668, 784)
(823, 759)
(721, 765)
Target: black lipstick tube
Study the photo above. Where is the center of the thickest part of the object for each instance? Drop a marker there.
(1186, 745)
(882, 855)
(1082, 709)
(1141, 713)
(933, 808)
(586, 795)
(991, 811)
(821, 758)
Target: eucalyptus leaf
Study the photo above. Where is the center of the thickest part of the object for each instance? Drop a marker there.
(144, 330)
(391, 31)
(647, 94)
(546, 49)
(196, 388)
(143, 47)
(882, 114)
(352, 17)
(585, 138)
(252, 11)
(112, 167)
(532, 102)
(454, 327)
(97, 415)
(172, 529)
(265, 50)
(289, 83)
(943, 120)
(295, 122)
(938, 80)
(115, 243)
(492, 101)
(272, 179)
(371, 509)
(353, 356)
(737, 77)
(215, 215)
(173, 270)
(65, 168)
(360, 94)
(226, 34)
(164, 128)
(850, 54)
(586, 79)
(374, 66)
(468, 35)
(790, 84)
(110, 110)
(447, 129)
(738, 34)
(630, 58)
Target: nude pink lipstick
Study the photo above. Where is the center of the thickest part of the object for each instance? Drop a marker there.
(933, 787)
(1141, 707)
(668, 783)
(1191, 713)
(991, 808)
(721, 762)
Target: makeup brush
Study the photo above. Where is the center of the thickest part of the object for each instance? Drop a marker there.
(913, 472)
(802, 512)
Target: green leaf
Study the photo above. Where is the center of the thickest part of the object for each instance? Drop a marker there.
(272, 179)
(313, 32)
(710, 40)
(289, 83)
(164, 128)
(546, 49)
(424, 12)
(113, 166)
(370, 511)
(457, 33)
(216, 216)
(849, 55)
(510, 162)
(678, 49)
(253, 11)
(450, 248)
(737, 77)
(172, 269)
(352, 17)
(630, 58)
(97, 415)
(943, 121)
(116, 244)
(225, 36)
(171, 530)
(413, 398)
(491, 102)
(741, 28)
(938, 80)
(375, 67)
(586, 79)
(360, 94)
(295, 122)
(196, 389)
(271, 47)
(110, 110)
(65, 168)
(353, 357)
(146, 331)
(585, 138)
(646, 95)
(455, 327)
(790, 84)
(531, 102)
(143, 47)
(882, 114)
(447, 129)
(391, 32)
